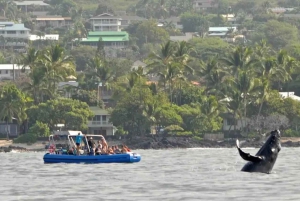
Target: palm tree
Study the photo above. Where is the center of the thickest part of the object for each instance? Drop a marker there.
(215, 78)
(30, 59)
(36, 87)
(161, 60)
(241, 59)
(57, 64)
(99, 70)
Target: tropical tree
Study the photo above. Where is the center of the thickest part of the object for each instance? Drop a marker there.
(13, 103)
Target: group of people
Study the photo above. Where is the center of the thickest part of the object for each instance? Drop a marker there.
(101, 148)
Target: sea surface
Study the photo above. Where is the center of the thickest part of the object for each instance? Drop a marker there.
(161, 175)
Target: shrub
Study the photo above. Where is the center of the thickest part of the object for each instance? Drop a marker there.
(291, 133)
(197, 138)
(28, 138)
(40, 129)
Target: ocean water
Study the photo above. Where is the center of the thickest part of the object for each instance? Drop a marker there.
(181, 174)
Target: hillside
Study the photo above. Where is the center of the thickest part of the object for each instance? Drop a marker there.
(118, 5)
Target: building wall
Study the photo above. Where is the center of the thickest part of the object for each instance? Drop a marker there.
(229, 124)
(14, 34)
(100, 123)
(106, 24)
(11, 128)
(8, 74)
(204, 4)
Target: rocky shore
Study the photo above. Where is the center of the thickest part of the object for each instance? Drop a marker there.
(159, 142)
(188, 142)
(11, 148)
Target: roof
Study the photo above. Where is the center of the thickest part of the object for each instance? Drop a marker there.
(46, 37)
(289, 95)
(28, 3)
(132, 18)
(292, 15)
(221, 29)
(11, 67)
(10, 26)
(107, 36)
(107, 33)
(105, 39)
(73, 84)
(99, 111)
(52, 17)
(217, 34)
(105, 16)
(139, 63)
(187, 37)
(172, 19)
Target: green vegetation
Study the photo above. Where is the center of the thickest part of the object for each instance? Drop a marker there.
(187, 88)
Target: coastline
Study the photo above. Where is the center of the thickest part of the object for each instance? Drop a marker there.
(158, 142)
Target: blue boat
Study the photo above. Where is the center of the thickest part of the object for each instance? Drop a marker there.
(115, 158)
(62, 156)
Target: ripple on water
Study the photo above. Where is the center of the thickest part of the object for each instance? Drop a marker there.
(181, 174)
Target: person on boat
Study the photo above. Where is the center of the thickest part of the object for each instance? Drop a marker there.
(123, 149)
(98, 149)
(78, 142)
(128, 150)
(91, 144)
(104, 145)
(117, 150)
(71, 151)
(110, 151)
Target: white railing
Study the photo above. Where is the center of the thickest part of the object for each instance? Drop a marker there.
(100, 123)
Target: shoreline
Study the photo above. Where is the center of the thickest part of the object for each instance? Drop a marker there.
(158, 143)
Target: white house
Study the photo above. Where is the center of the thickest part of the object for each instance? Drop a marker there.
(28, 6)
(186, 37)
(204, 4)
(138, 64)
(230, 18)
(54, 37)
(175, 21)
(106, 22)
(12, 30)
(7, 71)
(220, 31)
(68, 88)
(100, 123)
(289, 95)
(52, 21)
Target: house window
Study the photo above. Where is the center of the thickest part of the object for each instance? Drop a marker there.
(104, 118)
(22, 32)
(199, 4)
(11, 32)
(2, 32)
(0, 72)
(231, 122)
(97, 118)
(6, 72)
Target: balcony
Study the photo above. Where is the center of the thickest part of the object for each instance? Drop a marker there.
(115, 23)
(96, 124)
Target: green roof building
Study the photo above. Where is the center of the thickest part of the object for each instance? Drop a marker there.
(117, 39)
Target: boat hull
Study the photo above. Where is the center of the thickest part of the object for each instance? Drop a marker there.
(115, 158)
